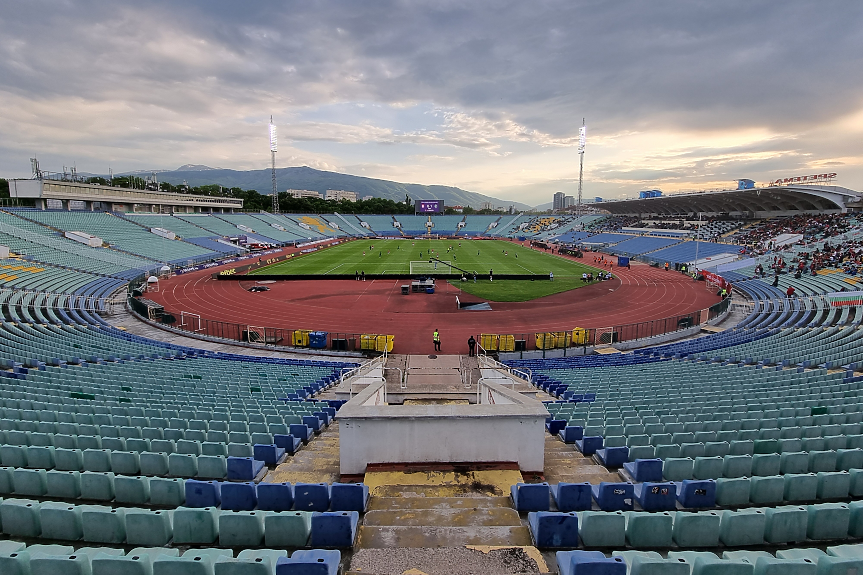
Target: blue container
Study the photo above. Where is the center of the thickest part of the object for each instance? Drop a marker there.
(429, 290)
(318, 339)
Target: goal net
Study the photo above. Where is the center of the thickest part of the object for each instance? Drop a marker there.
(430, 267)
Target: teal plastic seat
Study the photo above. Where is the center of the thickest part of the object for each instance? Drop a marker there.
(125, 462)
(20, 517)
(785, 524)
(167, 492)
(826, 564)
(794, 462)
(743, 527)
(32, 482)
(40, 457)
(13, 455)
(733, 492)
(249, 562)
(823, 461)
(699, 529)
(150, 528)
(602, 529)
(196, 525)
(833, 485)
(767, 564)
(63, 484)
(287, 528)
(707, 468)
(68, 459)
(741, 447)
(153, 464)
(706, 563)
(241, 528)
(716, 448)
(97, 460)
(103, 524)
(801, 487)
(97, 486)
(192, 562)
(855, 526)
(138, 561)
(766, 490)
(677, 469)
(649, 530)
(212, 467)
(765, 464)
(134, 490)
(737, 466)
(826, 521)
(182, 465)
(61, 521)
(652, 563)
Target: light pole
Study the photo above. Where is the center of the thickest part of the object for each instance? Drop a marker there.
(274, 147)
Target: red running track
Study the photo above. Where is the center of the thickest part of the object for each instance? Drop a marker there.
(377, 306)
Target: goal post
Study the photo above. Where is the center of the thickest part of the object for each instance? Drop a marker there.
(431, 267)
(192, 320)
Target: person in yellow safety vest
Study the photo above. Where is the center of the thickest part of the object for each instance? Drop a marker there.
(436, 338)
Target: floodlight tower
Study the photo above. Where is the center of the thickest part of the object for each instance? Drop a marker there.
(274, 147)
(582, 139)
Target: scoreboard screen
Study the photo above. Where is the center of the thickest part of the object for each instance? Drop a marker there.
(429, 206)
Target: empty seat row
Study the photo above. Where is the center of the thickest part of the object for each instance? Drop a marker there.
(16, 558)
(248, 496)
(183, 526)
(804, 561)
(190, 459)
(692, 530)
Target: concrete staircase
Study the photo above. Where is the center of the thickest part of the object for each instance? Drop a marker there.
(317, 462)
(443, 522)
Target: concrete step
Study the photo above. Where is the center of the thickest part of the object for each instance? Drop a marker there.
(506, 560)
(432, 518)
(393, 503)
(433, 491)
(440, 536)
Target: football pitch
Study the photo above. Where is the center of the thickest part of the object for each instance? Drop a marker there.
(410, 257)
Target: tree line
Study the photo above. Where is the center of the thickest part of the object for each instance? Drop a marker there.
(253, 201)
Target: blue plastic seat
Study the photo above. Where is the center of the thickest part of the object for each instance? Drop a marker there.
(275, 496)
(528, 497)
(238, 496)
(614, 496)
(334, 529)
(572, 496)
(243, 468)
(644, 469)
(553, 529)
(311, 497)
(202, 493)
(656, 496)
(349, 497)
(312, 562)
(589, 563)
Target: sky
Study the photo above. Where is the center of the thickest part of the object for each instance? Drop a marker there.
(486, 96)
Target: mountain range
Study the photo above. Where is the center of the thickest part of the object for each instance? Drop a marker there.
(305, 178)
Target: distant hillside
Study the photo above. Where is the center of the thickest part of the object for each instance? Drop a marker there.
(305, 178)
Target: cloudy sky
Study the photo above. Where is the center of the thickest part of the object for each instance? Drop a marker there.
(487, 96)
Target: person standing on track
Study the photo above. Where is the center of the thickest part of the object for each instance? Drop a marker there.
(490, 275)
(471, 347)
(436, 338)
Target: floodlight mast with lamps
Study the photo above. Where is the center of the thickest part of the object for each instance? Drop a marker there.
(274, 147)
(582, 140)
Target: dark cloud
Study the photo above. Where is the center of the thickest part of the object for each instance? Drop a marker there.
(626, 65)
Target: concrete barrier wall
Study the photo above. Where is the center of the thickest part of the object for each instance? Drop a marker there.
(489, 432)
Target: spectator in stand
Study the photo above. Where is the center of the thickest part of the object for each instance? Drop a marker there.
(790, 291)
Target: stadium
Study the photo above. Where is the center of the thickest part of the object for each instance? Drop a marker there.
(670, 385)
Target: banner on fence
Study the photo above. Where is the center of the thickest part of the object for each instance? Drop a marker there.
(845, 298)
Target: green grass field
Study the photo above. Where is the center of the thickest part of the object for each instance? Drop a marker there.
(393, 257)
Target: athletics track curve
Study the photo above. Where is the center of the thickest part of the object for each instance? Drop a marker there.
(641, 294)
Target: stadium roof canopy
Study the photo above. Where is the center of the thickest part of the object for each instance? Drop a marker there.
(755, 202)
